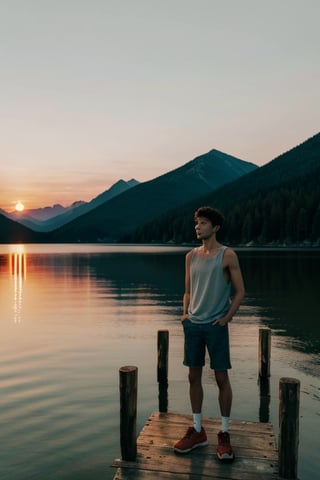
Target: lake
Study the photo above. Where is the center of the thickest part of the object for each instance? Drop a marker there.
(72, 315)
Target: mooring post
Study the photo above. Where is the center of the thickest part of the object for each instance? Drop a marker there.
(128, 378)
(264, 352)
(162, 369)
(163, 349)
(289, 400)
(264, 408)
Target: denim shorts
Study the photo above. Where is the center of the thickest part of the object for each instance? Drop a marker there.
(214, 338)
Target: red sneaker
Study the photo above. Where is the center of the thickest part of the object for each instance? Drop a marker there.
(191, 440)
(224, 449)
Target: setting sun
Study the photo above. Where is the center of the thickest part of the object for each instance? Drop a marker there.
(19, 207)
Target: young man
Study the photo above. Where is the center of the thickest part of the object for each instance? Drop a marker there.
(211, 271)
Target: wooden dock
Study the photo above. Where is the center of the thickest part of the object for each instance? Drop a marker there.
(151, 455)
(254, 445)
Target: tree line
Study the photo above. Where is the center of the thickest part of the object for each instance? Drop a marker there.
(287, 214)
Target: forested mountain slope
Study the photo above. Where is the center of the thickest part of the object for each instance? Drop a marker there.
(279, 202)
(124, 213)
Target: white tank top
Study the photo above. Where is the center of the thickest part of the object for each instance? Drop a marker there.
(209, 290)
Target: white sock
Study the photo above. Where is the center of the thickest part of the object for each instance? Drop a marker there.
(225, 424)
(197, 421)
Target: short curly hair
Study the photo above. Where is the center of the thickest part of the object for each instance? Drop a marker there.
(212, 214)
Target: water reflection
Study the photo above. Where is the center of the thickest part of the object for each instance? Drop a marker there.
(285, 287)
(282, 287)
(85, 313)
(18, 269)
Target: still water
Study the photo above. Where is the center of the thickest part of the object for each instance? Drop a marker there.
(72, 315)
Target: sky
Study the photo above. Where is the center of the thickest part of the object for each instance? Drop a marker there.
(93, 91)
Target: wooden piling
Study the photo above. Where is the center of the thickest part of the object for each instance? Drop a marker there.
(264, 408)
(289, 400)
(264, 352)
(163, 348)
(162, 369)
(128, 379)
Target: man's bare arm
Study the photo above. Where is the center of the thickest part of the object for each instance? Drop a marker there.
(231, 262)
(186, 295)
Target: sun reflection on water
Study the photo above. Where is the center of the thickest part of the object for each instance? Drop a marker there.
(18, 269)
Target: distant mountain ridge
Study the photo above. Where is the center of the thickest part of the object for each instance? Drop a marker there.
(40, 214)
(125, 212)
(50, 218)
(283, 192)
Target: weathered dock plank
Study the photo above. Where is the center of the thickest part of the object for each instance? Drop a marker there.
(254, 446)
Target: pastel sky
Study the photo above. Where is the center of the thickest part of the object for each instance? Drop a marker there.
(92, 91)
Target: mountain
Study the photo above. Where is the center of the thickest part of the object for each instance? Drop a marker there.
(50, 218)
(279, 202)
(292, 165)
(134, 207)
(37, 219)
(37, 214)
(13, 232)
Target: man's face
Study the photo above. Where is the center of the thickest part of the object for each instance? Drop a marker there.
(204, 228)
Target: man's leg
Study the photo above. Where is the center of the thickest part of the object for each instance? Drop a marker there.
(195, 389)
(196, 435)
(225, 392)
(196, 396)
(224, 449)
